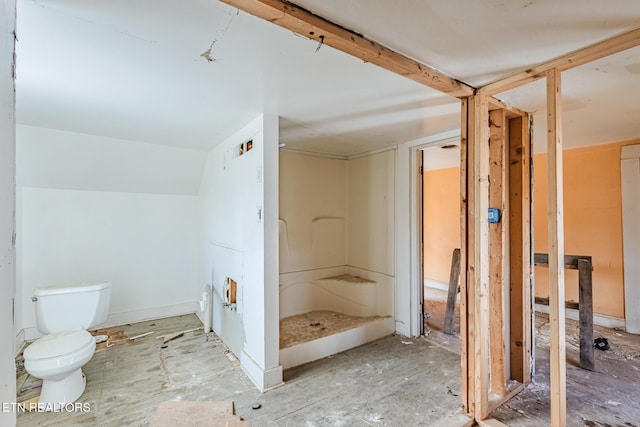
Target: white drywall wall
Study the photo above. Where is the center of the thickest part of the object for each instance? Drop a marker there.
(146, 244)
(51, 158)
(93, 208)
(7, 213)
(240, 201)
(313, 212)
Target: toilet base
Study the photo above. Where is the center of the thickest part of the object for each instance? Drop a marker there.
(57, 393)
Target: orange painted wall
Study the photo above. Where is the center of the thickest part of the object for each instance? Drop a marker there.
(592, 221)
(441, 221)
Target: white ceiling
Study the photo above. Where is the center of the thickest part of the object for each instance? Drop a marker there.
(132, 69)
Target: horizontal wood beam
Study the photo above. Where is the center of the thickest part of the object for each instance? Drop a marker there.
(570, 261)
(567, 304)
(576, 58)
(301, 21)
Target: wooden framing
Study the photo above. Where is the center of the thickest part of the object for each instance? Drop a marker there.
(467, 400)
(303, 22)
(583, 264)
(497, 159)
(478, 374)
(579, 57)
(497, 234)
(479, 259)
(520, 305)
(557, 358)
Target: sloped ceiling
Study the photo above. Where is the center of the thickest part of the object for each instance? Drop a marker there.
(189, 73)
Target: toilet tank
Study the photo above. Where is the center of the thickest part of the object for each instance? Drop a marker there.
(71, 307)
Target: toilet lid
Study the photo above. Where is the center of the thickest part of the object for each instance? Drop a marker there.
(56, 345)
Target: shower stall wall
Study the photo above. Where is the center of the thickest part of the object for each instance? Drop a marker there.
(336, 254)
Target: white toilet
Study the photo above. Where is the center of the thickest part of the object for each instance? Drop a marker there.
(65, 313)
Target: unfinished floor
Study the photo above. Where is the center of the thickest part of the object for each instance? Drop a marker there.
(608, 396)
(394, 381)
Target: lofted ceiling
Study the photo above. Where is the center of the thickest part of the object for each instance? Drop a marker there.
(190, 73)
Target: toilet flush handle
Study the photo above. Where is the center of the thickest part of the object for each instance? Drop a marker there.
(34, 299)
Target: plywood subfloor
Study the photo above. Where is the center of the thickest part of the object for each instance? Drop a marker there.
(196, 414)
(317, 324)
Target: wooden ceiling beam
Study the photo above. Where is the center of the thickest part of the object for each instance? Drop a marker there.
(574, 59)
(303, 22)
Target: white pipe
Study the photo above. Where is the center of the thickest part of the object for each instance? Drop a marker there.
(141, 335)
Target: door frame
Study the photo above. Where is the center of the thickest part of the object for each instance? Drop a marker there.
(415, 225)
(630, 185)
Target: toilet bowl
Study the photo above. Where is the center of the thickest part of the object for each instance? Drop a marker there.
(57, 359)
(65, 313)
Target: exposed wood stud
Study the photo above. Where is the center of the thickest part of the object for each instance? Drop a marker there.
(482, 125)
(497, 181)
(556, 251)
(579, 57)
(466, 367)
(301, 21)
(479, 276)
(527, 250)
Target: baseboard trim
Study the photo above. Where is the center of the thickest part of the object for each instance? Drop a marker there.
(123, 318)
(598, 319)
(263, 379)
(436, 285)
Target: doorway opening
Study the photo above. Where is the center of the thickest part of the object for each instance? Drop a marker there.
(440, 233)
